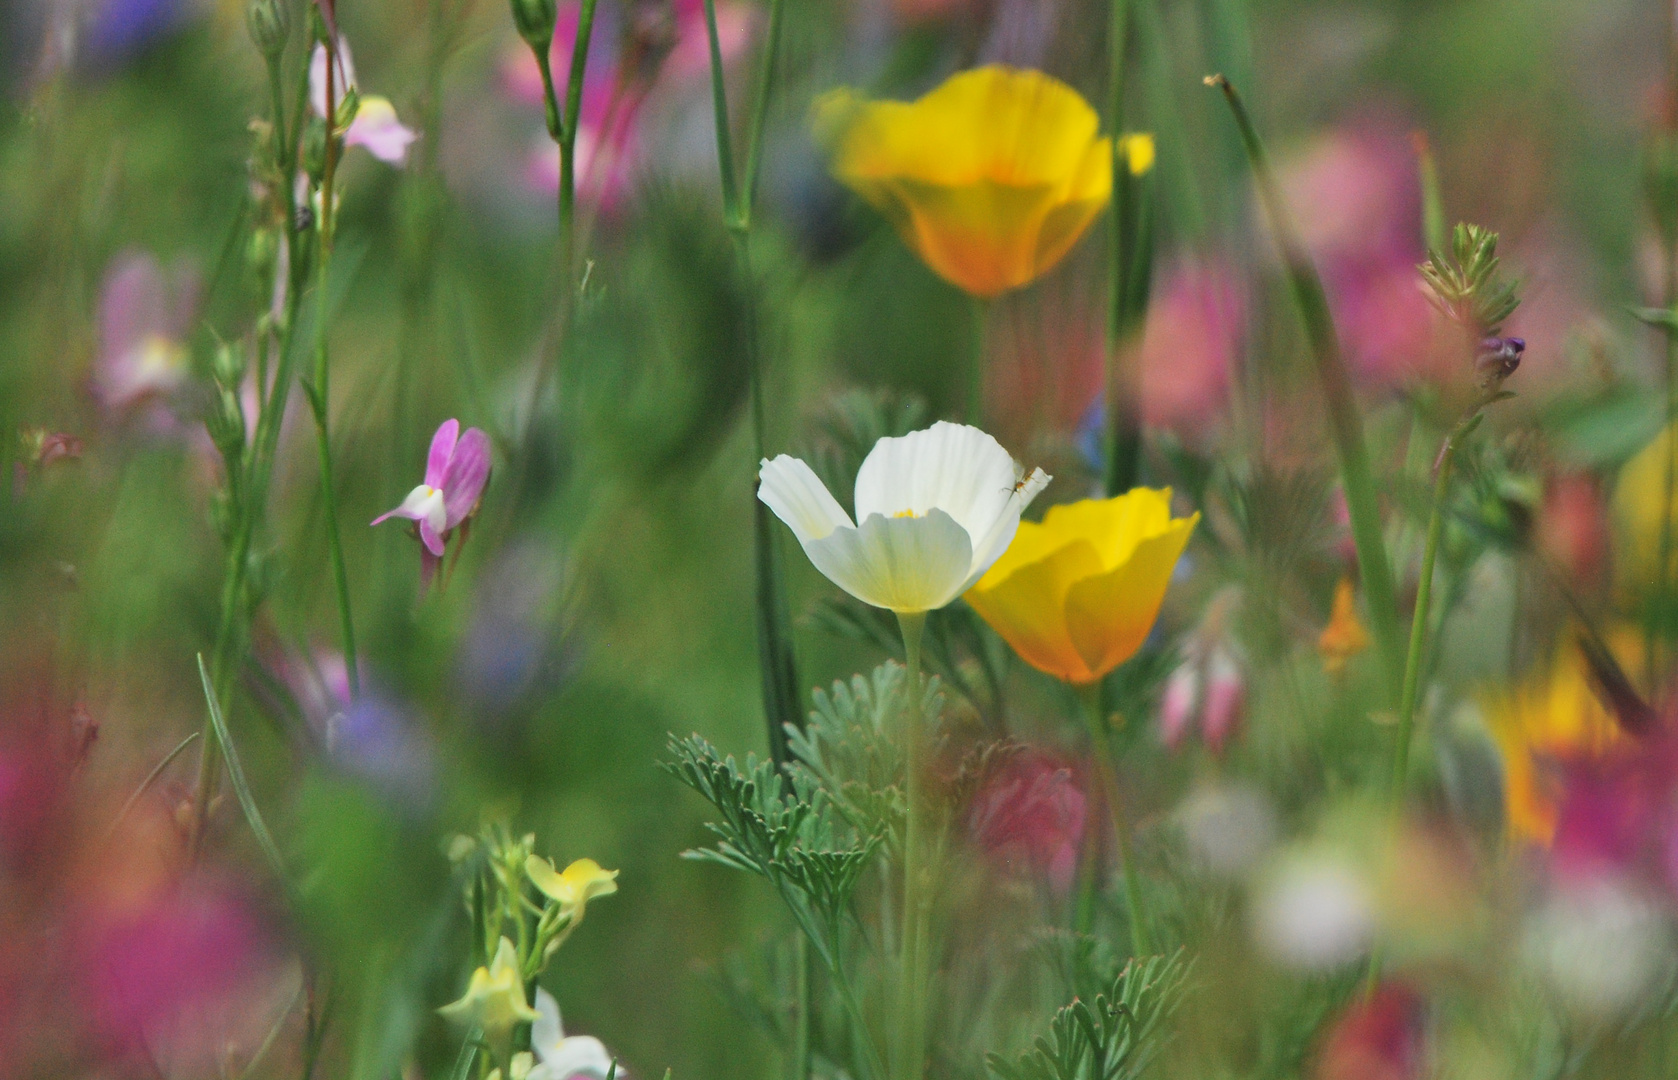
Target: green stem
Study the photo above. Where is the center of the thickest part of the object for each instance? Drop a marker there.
(257, 466)
(804, 985)
(1419, 621)
(760, 111)
(910, 1055)
(1124, 422)
(1345, 424)
(568, 145)
(320, 395)
(1095, 718)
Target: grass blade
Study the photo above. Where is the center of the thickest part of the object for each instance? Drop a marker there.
(236, 776)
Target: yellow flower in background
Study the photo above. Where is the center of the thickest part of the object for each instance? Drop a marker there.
(1344, 636)
(572, 889)
(1138, 151)
(1076, 595)
(494, 998)
(990, 178)
(1552, 717)
(1639, 500)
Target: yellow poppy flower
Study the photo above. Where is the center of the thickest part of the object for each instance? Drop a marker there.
(1344, 636)
(990, 178)
(580, 882)
(1554, 716)
(494, 998)
(1076, 595)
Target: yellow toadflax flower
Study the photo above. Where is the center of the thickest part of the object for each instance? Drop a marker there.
(1077, 595)
(1344, 636)
(572, 889)
(936, 509)
(1553, 717)
(990, 178)
(494, 998)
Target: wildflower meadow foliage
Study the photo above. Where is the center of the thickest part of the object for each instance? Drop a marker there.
(1031, 540)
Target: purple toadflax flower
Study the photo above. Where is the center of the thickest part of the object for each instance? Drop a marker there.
(456, 472)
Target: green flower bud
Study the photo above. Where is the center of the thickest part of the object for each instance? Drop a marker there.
(228, 367)
(269, 23)
(535, 21)
(314, 148)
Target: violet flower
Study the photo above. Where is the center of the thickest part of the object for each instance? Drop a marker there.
(456, 471)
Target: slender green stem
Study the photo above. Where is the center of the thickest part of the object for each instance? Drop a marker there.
(1345, 423)
(320, 395)
(257, 466)
(1419, 621)
(1433, 207)
(1123, 441)
(568, 143)
(804, 985)
(910, 1055)
(1660, 609)
(719, 115)
(1101, 742)
(760, 111)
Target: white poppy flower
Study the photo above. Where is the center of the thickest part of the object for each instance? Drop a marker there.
(937, 508)
(561, 1057)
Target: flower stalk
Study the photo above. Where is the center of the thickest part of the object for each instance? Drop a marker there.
(1345, 423)
(910, 1053)
(777, 662)
(1101, 743)
(318, 391)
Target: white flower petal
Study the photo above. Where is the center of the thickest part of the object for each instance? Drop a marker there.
(546, 1032)
(989, 545)
(951, 467)
(900, 563)
(578, 1055)
(791, 489)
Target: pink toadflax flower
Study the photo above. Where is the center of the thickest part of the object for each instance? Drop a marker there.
(375, 125)
(145, 313)
(456, 471)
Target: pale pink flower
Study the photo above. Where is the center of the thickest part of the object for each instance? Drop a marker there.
(375, 125)
(145, 314)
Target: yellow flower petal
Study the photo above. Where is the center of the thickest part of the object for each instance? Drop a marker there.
(1553, 716)
(494, 998)
(1076, 595)
(580, 882)
(1344, 636)
(990, 178)
(1109, 616)
(1139, 153)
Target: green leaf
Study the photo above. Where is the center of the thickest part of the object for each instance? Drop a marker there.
(236, 775)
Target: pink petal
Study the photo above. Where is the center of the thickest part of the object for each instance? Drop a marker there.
(376, 127)
(401, 512)
(428, 536)
(133, 304)
(467, 474)
(442, 448)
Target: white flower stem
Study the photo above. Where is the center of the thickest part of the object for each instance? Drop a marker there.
(910, 1055)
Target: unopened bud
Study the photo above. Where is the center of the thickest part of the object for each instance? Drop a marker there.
(535, 21)
(229, 365)
(269, 24)
(314, 148)
(348, 106)
(1497, 358)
